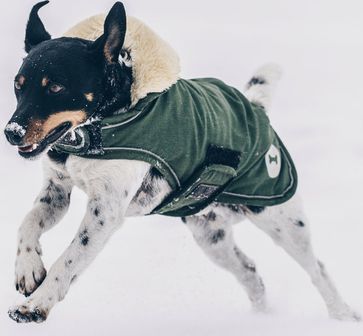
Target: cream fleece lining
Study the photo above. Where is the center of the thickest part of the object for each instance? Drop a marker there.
(155, 65)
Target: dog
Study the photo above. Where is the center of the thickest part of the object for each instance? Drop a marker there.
(100, 70)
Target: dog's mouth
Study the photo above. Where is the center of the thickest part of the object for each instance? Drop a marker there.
(30, 151)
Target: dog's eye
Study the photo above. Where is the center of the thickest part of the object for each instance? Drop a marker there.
(17, 85)
(55, 88)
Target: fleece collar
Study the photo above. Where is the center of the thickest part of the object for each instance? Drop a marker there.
(155, 64)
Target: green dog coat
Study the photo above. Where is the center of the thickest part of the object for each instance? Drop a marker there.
(207, 140)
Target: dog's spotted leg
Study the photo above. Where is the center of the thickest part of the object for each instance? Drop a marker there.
(104, 214)
(288, 227)
(101, 220)
(212, 231)
(49, 207)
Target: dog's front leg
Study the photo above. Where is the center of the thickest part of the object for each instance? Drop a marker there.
(105, 213)
(49, 207)
(101, 220)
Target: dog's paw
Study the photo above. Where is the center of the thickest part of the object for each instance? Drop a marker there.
(346, 314)
(29, 270)
(27, 313)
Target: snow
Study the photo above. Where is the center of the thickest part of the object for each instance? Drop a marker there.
(16, 128)
(151, 278)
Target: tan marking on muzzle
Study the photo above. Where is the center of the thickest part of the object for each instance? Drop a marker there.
(89, 96)
(45, 81)
(39, 129)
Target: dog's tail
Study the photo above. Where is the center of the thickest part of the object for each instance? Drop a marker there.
(262, 84)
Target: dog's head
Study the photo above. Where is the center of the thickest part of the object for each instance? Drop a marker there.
(64, 81)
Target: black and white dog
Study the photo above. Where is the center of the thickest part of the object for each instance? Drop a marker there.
(102, 66)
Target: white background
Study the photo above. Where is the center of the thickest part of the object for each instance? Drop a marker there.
(151, 279)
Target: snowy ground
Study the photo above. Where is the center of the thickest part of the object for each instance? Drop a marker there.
(151, 279)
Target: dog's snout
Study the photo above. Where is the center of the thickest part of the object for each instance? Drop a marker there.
(14, 133)
(13, 137)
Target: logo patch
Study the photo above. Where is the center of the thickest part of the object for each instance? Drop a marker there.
(273, 162)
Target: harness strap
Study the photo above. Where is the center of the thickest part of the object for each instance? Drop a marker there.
(86, 140)
(204, 186)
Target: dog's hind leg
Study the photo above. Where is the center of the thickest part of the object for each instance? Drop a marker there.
(288, 227)
(213, 233)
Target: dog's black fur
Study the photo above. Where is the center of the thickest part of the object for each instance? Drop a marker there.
(70, 68)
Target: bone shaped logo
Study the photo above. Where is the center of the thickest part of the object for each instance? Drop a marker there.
(273, 161)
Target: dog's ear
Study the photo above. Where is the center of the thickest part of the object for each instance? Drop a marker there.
(112, 40)
(35, 31)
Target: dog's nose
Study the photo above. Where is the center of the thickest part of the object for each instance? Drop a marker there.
(14, 133)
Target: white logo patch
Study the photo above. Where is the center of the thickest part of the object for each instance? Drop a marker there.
(273, 162)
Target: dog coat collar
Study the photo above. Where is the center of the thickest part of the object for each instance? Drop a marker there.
(205, 138)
